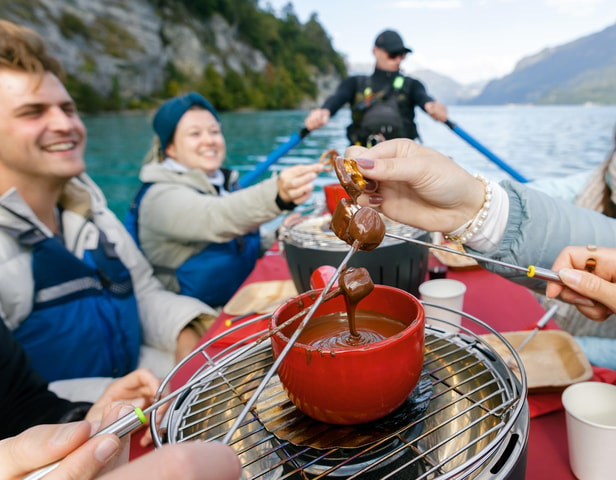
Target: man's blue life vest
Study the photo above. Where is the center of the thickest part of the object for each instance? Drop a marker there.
(215, 273)
(84, 320)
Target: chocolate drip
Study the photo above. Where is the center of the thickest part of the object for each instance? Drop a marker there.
(355, 284)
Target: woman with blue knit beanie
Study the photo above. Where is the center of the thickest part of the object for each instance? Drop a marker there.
(197, 228)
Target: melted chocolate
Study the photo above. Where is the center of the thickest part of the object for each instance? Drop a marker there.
(341, 220)
(362, 228)
(330, 332)
(355, 284)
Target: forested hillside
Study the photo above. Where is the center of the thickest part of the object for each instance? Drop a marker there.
(129, 53)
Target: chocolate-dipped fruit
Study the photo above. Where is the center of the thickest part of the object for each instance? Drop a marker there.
(349, 176)
(367, 229)
(341, 219)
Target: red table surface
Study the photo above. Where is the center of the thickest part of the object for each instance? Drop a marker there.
(492, 299)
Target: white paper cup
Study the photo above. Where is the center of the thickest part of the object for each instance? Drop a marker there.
(591, 429)
(445, 292)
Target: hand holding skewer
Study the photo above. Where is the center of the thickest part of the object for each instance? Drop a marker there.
(588, 280)
(349, 228)
(360, 227)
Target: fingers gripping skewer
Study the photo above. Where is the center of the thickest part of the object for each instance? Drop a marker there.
(138, 417)
(354, 184)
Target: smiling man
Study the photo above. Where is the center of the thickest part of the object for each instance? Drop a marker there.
(74, 289)
(383, 104)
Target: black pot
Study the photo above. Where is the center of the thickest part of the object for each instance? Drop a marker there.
(396, 263)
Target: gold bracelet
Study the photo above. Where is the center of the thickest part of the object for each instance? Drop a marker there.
(470, 228)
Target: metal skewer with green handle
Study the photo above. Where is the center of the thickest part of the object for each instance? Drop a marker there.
(138, 417)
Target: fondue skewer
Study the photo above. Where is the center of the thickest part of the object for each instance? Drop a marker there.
(267, 312)
(138, 417)
(538, 326)
(331, 294)
(135, 419)
(531, 271)
(291, 342)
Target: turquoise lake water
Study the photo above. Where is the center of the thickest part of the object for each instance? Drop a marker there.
(536, 141)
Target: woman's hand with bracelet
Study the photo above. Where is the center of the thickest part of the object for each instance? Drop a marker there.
(418, 186)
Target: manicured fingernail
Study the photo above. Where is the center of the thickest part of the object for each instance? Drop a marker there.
(64, 433)
(375, 199)
(585, 302)
(570, 276)
(365, 163)
(371, 186)
(106, 449)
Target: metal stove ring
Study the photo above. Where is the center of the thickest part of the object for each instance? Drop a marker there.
(477, 410)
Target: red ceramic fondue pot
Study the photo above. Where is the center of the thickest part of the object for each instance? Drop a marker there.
(333, 193)
(352, 384)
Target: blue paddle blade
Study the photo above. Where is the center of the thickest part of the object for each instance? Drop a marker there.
(250, 177)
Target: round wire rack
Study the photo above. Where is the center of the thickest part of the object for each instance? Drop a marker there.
(467, 417)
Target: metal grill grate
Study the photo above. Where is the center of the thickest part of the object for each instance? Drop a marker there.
(467, 415)
(314, 231)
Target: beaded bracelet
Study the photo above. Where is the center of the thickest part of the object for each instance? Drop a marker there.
(470, 228)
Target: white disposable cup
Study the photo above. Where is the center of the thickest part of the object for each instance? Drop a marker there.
(445, 292)
(591, 429)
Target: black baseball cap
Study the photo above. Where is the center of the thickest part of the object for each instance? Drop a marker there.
(391, 42)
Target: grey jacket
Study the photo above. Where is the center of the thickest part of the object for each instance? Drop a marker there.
(182, 214)
(539, 227)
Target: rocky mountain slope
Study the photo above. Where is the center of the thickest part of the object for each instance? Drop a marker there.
(125, 53)
(578, 72)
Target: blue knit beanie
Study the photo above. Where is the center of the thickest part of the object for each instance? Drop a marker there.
(169, 114)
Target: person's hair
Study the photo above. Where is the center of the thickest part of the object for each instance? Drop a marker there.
(154, 154)
(23, 49)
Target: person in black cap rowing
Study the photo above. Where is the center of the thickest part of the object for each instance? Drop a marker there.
(383, 104)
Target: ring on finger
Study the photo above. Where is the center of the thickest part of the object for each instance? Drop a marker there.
(590, 265)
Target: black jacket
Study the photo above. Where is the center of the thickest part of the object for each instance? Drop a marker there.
(25, 400)
(398, 104)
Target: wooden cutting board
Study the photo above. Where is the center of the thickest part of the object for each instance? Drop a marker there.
(260, 297)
